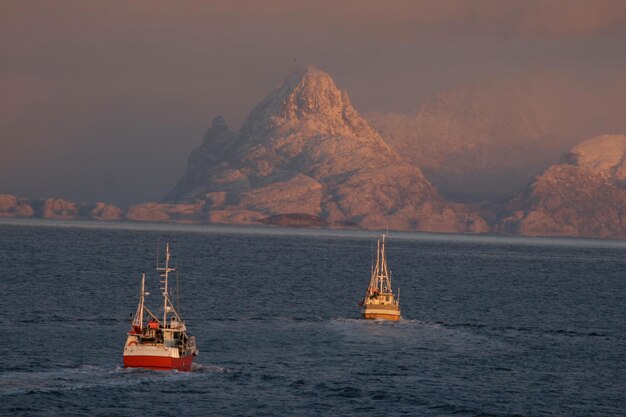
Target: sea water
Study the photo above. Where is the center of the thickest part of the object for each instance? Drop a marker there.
(491, 326)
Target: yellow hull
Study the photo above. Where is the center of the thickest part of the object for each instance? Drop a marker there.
(381, 312)
(374, 316)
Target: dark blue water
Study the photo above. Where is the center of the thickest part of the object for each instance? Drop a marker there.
(492, 327)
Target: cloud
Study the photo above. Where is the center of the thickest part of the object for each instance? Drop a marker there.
(309, 22)
(493, 19)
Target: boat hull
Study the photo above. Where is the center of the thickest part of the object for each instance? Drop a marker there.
(159, 363)
(156, 356)
(380, 312)
(379, 316)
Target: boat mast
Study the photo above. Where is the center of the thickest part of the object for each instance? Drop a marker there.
(143, 298)
(381, 281)
(383, 264)
(138, 320)
(165, 275)
(381, 267)
(375, 271)
(385, 275)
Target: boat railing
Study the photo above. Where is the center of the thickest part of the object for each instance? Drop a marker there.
(192, 343)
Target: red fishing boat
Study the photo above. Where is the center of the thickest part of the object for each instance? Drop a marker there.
(160, 343)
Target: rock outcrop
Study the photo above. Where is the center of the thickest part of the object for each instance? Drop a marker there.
(103, 211)
(59, 209)
(11, 206)
(603, 155)
(295, 220)
(163, 212)
(305, 149)
(56, 209)
(583, 196)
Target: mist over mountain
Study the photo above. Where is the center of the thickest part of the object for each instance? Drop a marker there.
(484, 141)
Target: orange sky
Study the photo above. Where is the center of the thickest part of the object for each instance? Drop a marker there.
(105, 100)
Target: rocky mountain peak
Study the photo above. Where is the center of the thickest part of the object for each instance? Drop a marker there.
(604, 155)
(310, 93)
(219, 123)
(583, 195)
(308, 99)
(218, 132)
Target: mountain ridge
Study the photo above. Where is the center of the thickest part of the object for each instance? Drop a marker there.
(304, 156)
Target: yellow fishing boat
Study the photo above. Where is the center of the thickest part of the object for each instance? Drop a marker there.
(379, 301)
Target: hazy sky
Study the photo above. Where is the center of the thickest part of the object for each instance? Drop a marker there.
(105, 100)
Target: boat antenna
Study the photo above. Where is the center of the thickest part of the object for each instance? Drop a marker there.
(178, 288)
(158, 244)
(164, 281)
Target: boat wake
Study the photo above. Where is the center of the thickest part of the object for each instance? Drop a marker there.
(88, 377)
(197, 367)
(60, 380)
(382, 322)
(539, 331)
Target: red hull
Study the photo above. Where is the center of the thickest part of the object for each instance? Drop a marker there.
(159, 363)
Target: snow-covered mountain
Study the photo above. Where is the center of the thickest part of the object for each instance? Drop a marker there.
(305, 149)
(584, 195)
